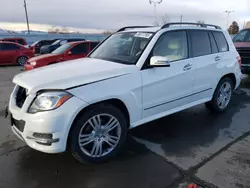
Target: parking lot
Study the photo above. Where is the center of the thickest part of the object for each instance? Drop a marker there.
(191, 146)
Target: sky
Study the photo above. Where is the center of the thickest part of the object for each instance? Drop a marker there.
(99, 15)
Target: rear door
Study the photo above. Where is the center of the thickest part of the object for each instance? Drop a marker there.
(79, 51)
(206, 57)
(10, 53)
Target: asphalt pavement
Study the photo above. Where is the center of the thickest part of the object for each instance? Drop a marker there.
(193, 146)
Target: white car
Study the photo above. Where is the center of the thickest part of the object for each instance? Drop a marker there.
(135, 76)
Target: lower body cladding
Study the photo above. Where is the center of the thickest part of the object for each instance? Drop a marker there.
(46, 131)
(245, 69)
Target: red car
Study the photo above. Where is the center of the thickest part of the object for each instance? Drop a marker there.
(13, 53)
(242, 44)
(15, 40)
(68, 51)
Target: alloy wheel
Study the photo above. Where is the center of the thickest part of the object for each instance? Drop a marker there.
(99, 135)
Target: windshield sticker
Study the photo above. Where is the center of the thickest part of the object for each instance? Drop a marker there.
(143, 35)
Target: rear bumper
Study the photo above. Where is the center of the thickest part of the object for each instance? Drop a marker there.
(245, 69)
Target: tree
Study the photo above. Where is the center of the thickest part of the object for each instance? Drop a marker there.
(163, 20)
(54, 29)
(233, 28)
(64, 30)
(107, 32)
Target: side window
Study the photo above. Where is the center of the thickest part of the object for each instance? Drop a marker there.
(221, 41)
(80, 49)
(172, 45)
(20, 42)
(10, 40)
(6, 47)
(200, 43)
(93, 45)
(213, 44)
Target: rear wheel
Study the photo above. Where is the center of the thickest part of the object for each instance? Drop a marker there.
(222, 96)
(21, 60)
(99, 134)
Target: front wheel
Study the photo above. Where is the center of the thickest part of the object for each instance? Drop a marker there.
(222, 96)
(98, 134)
(21, 60)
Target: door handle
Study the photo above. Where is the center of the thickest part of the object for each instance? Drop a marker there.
(217, 58)
(187, 67)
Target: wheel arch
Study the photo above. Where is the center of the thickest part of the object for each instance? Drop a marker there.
(21, 56)
(114, 101)
(231, 76)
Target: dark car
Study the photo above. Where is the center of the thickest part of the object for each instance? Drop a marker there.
(16, 40)
(242, 44)
(50, 48)
(14, 53)
(36, 46)
(66, 52)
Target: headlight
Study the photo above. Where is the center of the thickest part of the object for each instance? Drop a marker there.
(49, 101)
(33, 63)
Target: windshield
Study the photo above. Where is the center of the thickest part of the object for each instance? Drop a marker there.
(123, 48)
(62, 49)
(243, 36)
(57, 41)
(35, 43)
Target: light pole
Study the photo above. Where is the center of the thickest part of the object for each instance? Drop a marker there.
(228, 13)
(155, 2)
(26, 13)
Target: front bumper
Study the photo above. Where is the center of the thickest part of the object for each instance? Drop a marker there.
(45, 131)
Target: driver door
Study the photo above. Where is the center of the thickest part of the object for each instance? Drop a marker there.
(166, 88)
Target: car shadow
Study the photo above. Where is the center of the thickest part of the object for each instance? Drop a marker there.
(135, 167)
(196, 127)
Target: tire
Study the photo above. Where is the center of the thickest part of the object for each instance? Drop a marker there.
(93, 136)
(220, 100)
(21, 60)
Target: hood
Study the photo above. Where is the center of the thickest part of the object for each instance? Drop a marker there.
(242, 44)
(43, 57)
(71, 73)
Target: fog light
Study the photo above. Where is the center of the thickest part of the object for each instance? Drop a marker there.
(43, 138)
(43, 135)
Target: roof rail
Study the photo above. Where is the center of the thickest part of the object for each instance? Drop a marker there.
(190, 23)
(132, 27)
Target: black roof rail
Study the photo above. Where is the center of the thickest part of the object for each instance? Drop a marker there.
(132, 27)
(190, 23)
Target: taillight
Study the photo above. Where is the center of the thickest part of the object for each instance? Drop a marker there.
(239, 60)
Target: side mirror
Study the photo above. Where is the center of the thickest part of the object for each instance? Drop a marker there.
(159, 61)
(69, 53)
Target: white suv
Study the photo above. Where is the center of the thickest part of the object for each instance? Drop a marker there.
(135, 76)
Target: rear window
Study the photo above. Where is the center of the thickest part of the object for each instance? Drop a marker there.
(21, 42)
(221, 41)
(200, 43)
(242, 36)
(93, 45)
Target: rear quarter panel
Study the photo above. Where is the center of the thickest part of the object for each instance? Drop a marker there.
(230, 63)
